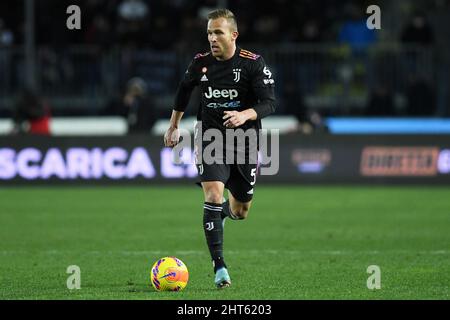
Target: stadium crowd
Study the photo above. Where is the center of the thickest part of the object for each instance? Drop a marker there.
(173, 24)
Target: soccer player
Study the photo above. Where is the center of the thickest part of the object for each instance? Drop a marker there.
(237, 91)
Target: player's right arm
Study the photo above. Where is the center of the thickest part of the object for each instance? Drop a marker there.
(182, 96)
(171, 137)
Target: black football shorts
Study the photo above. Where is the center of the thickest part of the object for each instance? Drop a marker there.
(239, 178)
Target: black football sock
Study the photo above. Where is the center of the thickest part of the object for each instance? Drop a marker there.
(212, 224)
(226, 211)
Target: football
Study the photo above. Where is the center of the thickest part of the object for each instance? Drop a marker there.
(169, 274)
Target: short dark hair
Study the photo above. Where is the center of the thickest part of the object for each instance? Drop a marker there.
(224, 13)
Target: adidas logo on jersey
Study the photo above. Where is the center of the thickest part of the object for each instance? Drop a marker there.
(204, 78)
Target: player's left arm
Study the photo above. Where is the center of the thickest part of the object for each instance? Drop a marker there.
(263, 87)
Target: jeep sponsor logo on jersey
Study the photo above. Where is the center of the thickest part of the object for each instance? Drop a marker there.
(224, 93)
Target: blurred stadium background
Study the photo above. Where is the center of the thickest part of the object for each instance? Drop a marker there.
(336, 80)
(88, 107)
(324, 58)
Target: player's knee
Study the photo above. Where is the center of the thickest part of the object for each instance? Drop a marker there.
(242, 211)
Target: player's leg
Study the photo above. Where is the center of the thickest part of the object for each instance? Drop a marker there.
(212, 223)
(213, 178)
(213, 193)
(236, 209)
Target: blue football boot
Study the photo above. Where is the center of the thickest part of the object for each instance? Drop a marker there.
(222, 279)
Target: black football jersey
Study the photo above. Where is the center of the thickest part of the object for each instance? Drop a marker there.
(240, 83)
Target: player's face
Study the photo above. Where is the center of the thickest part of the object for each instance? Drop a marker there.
(222, 39)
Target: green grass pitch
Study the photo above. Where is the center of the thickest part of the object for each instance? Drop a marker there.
(298, 242)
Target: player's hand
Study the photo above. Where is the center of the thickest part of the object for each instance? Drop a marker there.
(234, 119)
(171, 137)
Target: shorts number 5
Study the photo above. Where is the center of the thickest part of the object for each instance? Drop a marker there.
(253, 174)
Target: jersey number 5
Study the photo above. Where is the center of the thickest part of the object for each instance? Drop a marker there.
(253, 174)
